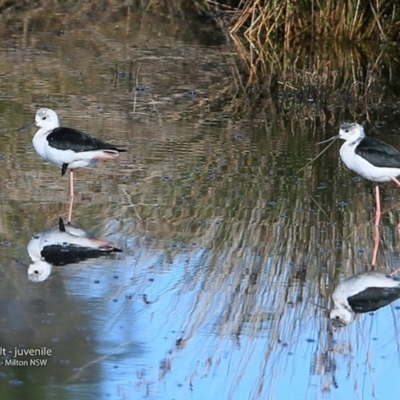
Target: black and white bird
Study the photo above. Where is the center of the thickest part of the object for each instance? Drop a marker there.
(68, 148)
(369, 157)
(63, 244)
(363, 293)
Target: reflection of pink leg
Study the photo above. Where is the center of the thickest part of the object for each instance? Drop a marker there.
(396, 271)
(376, 227)
(378, 205)
(71, 183)
(70, 207)
(396, 181)
(376, 246)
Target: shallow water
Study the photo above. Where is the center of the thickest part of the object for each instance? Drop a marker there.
(231, 249)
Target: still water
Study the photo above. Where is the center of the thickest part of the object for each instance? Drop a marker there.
(233, 241)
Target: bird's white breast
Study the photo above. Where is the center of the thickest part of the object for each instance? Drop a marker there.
(39, 142)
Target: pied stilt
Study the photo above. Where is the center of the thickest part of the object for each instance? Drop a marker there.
(68, 148)
(369, 157)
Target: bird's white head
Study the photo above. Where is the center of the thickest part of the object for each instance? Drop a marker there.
(39, 271)
(351, 131)
(341, 317)
(46, 119)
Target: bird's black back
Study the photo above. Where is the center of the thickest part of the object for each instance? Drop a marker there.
(72, 139)
(378, 153)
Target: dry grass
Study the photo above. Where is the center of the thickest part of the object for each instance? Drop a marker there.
(267, 21)
(282, 22)
(300, 53)
(304, 81)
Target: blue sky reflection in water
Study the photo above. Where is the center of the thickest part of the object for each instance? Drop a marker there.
(212, 363)
(231, 254)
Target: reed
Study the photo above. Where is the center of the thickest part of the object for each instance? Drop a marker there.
(314, 53)
(307, 80)
(284, 21)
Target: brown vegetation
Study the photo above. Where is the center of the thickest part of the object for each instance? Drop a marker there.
(283, 22)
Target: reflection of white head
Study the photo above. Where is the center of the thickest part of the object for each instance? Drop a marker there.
(39, 271)
(342, 317)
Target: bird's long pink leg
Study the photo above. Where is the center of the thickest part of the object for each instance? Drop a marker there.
(71, 183)
(71, 195)
(378, 205)
(396, 181)
(70, 207)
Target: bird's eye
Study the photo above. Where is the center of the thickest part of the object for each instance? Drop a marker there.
(337, 318)
(346, 130)
(44, 118)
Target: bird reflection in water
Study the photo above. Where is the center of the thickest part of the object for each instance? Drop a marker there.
(363, 293)
(63, 244)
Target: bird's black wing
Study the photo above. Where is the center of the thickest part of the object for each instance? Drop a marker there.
(71, 139)
(378, 153)
(373, 298)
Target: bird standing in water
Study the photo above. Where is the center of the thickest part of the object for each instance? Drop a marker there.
(68, 148)
(369, 157)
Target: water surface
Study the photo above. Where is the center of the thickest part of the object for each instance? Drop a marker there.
(231, 248)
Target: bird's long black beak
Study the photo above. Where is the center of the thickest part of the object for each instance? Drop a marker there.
(328, 140)
(25, 127)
